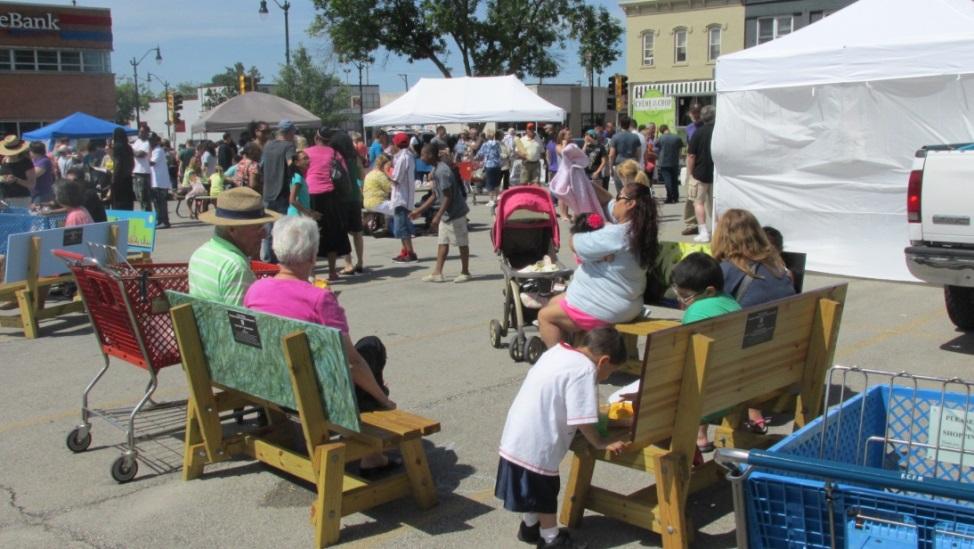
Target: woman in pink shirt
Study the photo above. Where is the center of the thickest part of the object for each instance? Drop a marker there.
(290, 294)
(70, 195)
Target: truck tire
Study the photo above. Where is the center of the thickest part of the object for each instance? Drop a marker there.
(960, 306)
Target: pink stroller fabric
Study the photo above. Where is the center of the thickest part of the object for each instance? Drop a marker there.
(524, 197)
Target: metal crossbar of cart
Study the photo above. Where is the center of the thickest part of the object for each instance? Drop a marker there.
(890, 465)
(130, 315)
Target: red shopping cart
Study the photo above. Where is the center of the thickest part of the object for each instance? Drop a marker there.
(127, 305)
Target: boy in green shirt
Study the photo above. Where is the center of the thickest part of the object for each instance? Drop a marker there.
(699, 286)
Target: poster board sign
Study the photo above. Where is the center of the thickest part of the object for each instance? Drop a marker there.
(142, 228)
(654, 107)
(74, 239)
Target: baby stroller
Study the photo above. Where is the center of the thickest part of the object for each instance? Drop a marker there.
(525, 235)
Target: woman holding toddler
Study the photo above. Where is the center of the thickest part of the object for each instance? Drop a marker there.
(610, 280)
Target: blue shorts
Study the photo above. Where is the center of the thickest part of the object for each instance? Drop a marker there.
(402, 226)
(525, 491)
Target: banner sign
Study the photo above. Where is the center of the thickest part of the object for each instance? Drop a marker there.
(142, 228)
(654, 107)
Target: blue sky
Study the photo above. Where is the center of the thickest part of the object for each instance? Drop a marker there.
(198, 38)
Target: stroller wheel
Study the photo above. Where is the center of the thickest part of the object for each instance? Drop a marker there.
(516, 348)
(533, 350)
(495, 334)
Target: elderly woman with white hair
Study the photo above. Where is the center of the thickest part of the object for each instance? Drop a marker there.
(290, 294)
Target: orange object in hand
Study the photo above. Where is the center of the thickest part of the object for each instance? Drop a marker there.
(620, 410)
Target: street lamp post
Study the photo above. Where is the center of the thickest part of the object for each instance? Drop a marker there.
(262, 11)
(165, 85)
(591, 89)
(135, 79)
(361, 99)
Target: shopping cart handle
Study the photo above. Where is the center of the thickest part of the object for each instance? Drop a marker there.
(846, 472)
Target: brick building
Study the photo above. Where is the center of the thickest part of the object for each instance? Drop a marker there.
(54, 61)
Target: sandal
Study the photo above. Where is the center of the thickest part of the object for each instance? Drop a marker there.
(359, 270)
(347, 271)
(372, 472)
(758, 427)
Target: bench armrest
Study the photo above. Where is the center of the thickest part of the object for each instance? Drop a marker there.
(645, 327)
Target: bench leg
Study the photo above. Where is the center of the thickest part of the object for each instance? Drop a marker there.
(418, 471)
(672, 479)
(579, 481)
(192, 460)
(28, 314)
(327, 511)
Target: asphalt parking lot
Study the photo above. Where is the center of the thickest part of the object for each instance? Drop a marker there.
(440, 366)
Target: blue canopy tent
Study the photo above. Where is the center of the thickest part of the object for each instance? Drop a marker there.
(77, 126)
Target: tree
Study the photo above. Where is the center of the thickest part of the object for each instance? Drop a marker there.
(125, 100)
(598, 35)
(225, 85)
(493, 36)
(312, 87)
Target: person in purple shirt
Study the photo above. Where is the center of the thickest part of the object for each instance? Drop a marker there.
(551, 150)
(43, 190)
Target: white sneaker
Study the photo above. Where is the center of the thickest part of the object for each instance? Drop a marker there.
(491, 203)
(461, 278)
(702, 237)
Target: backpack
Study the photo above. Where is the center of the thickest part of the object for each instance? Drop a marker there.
(340, 178)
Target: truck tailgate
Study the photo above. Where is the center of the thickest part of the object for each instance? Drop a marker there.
(948, 197)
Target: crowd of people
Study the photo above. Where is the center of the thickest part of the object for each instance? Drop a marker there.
(281, 198)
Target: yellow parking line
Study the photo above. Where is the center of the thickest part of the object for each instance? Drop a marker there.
(897, 330)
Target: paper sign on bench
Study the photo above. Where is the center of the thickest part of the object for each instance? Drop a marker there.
(18, 248)
(142, 228)
(234, 336)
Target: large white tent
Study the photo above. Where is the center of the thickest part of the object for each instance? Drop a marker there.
(239, 111)
(468, 99)
(816, 131)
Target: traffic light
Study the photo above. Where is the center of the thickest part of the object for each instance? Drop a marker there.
(622, 81)
(177, 105)
(610, 103)
(242, 83)
(170, 111)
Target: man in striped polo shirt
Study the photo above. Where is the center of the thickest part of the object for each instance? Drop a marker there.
(219, 270)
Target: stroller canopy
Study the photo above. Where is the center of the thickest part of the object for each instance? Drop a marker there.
(525, 198)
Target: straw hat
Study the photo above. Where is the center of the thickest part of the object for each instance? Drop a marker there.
(13, 145)
(239, 207)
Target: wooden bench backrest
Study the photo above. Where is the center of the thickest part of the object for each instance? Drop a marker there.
(746, 355)
(243, 351)
(73, 239)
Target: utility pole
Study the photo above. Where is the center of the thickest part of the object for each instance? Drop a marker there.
(591, 89)
(361, 99)
(405, 80)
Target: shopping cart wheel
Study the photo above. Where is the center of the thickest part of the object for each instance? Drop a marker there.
(534, 349)
(124, 469)
(495, 334)
(516, 348)
(77, 442)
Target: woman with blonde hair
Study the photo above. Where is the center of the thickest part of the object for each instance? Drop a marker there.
(377, 187)
(754, 272)
(631, 172)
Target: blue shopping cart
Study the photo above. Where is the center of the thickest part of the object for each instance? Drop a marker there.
(890, 466)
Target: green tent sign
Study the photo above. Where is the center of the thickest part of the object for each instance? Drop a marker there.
(654, 107)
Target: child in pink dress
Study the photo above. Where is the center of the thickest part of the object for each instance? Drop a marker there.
(70, 195)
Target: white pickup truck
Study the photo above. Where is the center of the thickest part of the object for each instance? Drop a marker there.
(940, 204)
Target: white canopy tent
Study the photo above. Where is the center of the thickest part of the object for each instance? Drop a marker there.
(467, 100)
(817, 130)
(238, 111)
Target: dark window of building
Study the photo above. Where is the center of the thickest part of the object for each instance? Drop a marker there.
(5, 63)
(95, 61)
(770, 28)
(818, 15)
(47, 60)
(680, 45)
(70, 61)
(24, 60)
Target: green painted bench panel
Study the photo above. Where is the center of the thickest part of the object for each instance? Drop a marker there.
(266, 373)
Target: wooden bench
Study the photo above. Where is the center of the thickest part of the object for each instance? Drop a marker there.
(235, 357)
(31, 270)
(718, 366)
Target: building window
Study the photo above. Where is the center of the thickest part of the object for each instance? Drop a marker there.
(818, 15)
(713, 43)
(51, 60)
(770, 28)
(24, 60)
(649, 42)
(680, 46)
(71, 61)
